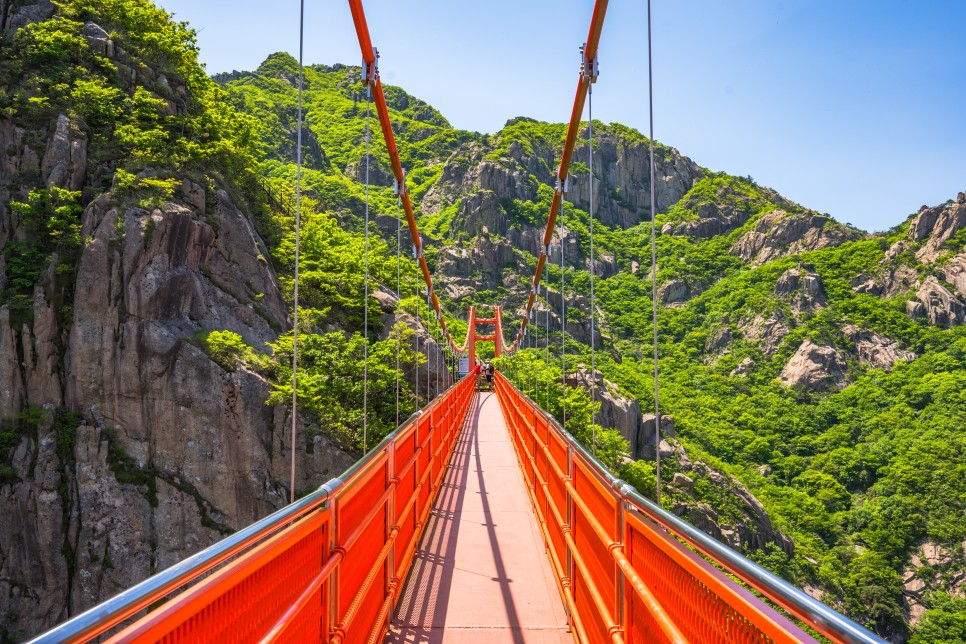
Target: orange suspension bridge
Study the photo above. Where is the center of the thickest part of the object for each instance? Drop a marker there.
(478, 519)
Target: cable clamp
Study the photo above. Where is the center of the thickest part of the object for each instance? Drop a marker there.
(561, 187)
(396, 185)
(370, 72)
(588, 68)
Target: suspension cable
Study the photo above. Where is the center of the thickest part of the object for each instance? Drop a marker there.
(365, 323)
(370, 68)
(593, 309)
(398, 299)
(546, 332)
(563, 330)
(298, 222)
(657, 406)
(419, 405)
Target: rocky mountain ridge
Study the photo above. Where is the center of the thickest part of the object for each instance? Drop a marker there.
(135, 444)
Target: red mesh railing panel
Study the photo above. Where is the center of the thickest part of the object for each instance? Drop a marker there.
(244, 600)
(306, 583)
(623, 578)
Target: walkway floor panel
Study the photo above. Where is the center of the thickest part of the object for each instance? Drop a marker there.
(481, 573)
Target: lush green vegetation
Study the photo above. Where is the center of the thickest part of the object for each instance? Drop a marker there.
(859, 478)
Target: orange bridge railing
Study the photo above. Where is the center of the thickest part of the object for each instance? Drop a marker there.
(628, 570)
(327, 567)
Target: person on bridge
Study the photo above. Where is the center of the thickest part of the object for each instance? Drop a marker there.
(489, 373)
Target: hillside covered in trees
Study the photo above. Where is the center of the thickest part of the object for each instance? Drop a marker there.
(814, 372)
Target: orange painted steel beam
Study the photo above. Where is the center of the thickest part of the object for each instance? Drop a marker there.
(471, 338)
(583, 83)
(371, 74)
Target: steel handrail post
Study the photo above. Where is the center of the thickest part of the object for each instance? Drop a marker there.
(570, 512)
(334, 577)
(391, 519)
(621, 502)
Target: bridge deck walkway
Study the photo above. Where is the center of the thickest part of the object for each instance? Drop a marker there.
(481, 573)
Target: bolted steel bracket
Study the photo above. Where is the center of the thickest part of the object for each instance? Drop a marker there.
(370, 72)
(397, 189)
(588, 68)
(561, 187)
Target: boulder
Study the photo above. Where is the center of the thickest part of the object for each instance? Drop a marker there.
(744, 368)
(98, 39)
(718, 340)
(922, 226)
(673, 292)
(814, 368)
(941, 307)
(683, 481)
(803, 288)
(876, 350)
(954, 272)
(769, 333)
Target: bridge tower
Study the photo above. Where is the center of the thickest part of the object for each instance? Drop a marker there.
(496, 337)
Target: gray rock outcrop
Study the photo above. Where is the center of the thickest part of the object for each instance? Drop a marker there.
(744, 368)
(875, 350)
(719, 339)
(676, 292)
(624, 414)
(769, 332)
(939, 305)
(814, 368)
(752, 530)
(779, 234)
(803, 288)
(937, 226)
(210, 454)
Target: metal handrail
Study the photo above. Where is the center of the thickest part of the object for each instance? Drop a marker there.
(813, 612)
(104, 616)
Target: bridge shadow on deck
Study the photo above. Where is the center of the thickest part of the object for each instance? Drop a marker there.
(481, 573)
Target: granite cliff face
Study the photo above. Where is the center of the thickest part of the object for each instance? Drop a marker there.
(127, 448)
(165, 451)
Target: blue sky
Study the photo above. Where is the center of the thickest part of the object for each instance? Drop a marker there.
(856, 108)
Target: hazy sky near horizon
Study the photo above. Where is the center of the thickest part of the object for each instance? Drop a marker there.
(854, 108)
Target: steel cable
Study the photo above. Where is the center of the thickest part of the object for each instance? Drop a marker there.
(657, 406)
(365, 323)
(563, 329)
(398, 297)
(298, 222)
(593, 309)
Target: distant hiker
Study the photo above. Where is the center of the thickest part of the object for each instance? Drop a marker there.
(489, 373)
